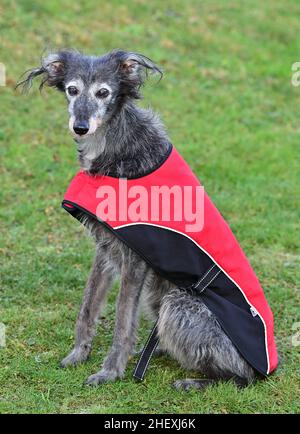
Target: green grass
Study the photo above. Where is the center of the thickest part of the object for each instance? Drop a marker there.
(230, 108)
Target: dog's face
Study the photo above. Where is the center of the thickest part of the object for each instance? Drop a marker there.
(95, 87)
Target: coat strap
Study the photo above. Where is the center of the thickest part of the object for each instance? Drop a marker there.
(207, 279)
(152, 341)
(146, 355)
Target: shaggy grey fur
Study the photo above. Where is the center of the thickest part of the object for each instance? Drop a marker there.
(119, 138)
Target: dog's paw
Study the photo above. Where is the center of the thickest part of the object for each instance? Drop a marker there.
(77, 356)
(190, 384)
(100, 378)
(180, 385)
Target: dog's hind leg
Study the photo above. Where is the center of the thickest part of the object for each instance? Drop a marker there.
(98, 284)
(203, 383)
(189, 331)
(132, 279)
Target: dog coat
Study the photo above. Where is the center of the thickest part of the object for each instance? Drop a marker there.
(208, 262)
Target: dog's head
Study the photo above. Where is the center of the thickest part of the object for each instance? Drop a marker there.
(95, 87)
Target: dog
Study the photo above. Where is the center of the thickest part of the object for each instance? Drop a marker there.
(115, 136)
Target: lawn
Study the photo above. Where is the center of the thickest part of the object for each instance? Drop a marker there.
(230, 108)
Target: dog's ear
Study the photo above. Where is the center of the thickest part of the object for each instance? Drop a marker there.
(134, 69)
(52, 70)
(133, 63)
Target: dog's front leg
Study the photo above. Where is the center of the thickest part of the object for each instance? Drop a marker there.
(114, 365)
(99, 282)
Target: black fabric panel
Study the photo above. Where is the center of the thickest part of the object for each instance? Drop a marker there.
(245, 331)
(72, 210)
(224, 287)
(172, 255)
(177, 258)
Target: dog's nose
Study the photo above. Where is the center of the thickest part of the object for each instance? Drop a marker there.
(81, 128)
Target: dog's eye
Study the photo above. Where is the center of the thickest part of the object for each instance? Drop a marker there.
(72, 90)
(102, 93)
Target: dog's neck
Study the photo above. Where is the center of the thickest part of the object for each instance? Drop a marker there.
(130, 144)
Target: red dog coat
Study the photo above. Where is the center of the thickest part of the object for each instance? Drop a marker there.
(208, 261)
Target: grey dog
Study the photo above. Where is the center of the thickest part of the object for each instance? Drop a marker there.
(116, 136)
